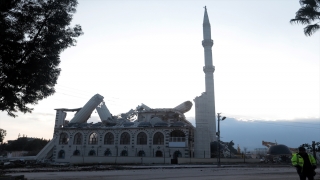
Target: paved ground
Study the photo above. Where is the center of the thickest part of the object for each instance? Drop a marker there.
(176, 173)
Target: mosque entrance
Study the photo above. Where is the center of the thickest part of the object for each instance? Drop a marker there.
(176, 154)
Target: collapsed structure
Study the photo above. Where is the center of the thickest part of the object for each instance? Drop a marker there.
(141, 132)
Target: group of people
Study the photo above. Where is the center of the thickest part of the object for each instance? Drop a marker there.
(305, 164)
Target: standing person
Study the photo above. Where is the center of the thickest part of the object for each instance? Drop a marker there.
(305, 164)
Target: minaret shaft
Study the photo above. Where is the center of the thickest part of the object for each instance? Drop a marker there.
(205, 104)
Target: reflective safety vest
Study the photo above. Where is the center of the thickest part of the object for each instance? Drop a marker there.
(298, 160)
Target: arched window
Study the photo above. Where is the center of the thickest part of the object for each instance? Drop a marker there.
(93, 138)
(124, 153)
(142, 138)
(177, 136)
(141, 154)
(92, 153)
(159, 154)
(125, 138)
(63, 138)
(76, 153)
(177, 154)
(109, 138)
(77, 139)
(61, 154)
(107, 152)
(158, 138)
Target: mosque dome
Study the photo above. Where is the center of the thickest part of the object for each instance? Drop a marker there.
(155, 120)
(128, 124)
(178, 124)
(160, 124)
(144, 124)
(279, 150)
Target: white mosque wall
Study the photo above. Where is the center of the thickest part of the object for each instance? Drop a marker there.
(60, 117)
(64, 150)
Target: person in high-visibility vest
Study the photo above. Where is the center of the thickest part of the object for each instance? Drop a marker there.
(305, 164)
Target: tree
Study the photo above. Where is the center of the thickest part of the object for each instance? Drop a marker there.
(231, 148)
(3, 134)
(33, 146)
(214, 148)
(307, 14)
(33, 34)
(307, 146)
(310, 148)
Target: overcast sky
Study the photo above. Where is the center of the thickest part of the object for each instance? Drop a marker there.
(150, 52)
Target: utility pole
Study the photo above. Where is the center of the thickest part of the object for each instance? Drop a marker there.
(244, 156)
(218, 134)
(314, 149)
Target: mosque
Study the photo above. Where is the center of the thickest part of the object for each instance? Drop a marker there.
(142, 134)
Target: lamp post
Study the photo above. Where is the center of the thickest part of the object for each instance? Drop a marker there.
(218, 134)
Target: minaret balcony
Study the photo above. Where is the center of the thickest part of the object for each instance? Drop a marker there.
(207, 42)
(207, 69)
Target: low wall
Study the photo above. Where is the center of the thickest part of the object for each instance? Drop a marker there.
(118, 160)
(215, 160)
(150, 160)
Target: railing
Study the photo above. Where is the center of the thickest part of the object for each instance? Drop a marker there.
(177, 139)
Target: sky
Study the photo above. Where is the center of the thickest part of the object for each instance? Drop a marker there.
(150, 52)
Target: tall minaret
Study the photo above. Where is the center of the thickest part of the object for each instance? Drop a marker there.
(205, 104)
(207, 44)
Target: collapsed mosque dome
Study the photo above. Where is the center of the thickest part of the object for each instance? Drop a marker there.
(141, 116)
(164, 117)
(279, 150)
(184, 107)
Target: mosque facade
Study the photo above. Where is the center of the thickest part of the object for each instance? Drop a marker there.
(145, 132)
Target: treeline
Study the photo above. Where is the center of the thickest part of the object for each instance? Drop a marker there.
(33, 146)
(315, 146)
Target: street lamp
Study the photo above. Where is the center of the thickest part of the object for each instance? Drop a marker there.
(218, 134)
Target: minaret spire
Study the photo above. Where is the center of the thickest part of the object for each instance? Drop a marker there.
(206, 25)
(207, 44)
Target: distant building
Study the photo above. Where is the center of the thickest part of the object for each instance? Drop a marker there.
(259, 153)
(16, 154)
